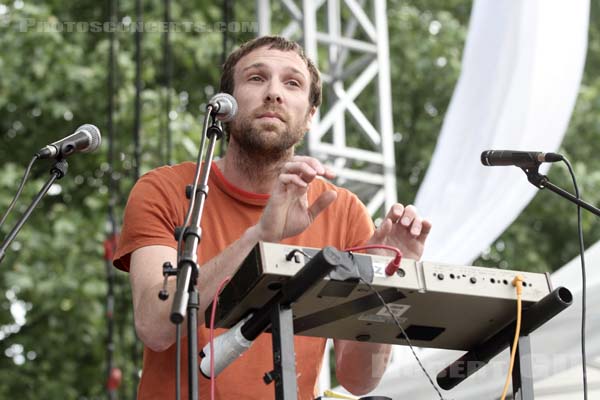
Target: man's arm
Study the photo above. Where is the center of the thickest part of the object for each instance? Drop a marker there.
(286, 214)
(360, 366)
(152, 321)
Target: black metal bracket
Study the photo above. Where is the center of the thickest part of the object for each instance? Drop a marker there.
(284, 360)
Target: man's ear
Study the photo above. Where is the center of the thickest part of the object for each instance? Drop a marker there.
(309, 117)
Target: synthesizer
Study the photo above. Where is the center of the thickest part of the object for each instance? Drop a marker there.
(438, 305)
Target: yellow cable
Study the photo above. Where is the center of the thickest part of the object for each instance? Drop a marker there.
(518, 283)
(335, 395)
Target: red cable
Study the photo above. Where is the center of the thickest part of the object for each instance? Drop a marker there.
(393, 265)
(390, 269)
(212, 336)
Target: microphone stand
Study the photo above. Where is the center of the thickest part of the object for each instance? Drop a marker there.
(58, 170)
(186, 294)
(542, 182)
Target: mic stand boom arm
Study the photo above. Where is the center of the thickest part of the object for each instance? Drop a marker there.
(542, 182)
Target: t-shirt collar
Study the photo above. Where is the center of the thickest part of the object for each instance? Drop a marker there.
(257, 199)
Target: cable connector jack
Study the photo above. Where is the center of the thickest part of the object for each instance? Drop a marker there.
(517, 282)
(393, 265)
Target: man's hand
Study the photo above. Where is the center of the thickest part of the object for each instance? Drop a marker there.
(288, 212)
(404, 229)
(361, 365)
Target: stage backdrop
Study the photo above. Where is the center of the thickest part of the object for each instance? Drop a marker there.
(521, 71)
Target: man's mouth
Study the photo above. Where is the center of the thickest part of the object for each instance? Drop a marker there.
(270, 116)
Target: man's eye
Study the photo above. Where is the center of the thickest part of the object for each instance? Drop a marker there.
(294, 83)
(255, 78)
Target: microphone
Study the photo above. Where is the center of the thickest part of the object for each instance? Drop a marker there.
(224, 106)
(228, 347)
(85, 140)
(233, 343)
(522, 159)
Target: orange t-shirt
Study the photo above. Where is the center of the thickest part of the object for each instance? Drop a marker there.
(157, 204)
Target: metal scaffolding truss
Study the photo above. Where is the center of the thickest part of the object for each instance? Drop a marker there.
(348, 39)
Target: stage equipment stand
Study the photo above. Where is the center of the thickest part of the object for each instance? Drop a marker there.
(187, 296)
(58, 170)
(522, 377)
(542, 182)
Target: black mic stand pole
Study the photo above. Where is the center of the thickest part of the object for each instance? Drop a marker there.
(58, 170)
(542, 182)
(187, 294)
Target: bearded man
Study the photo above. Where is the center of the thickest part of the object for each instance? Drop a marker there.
(260, 191)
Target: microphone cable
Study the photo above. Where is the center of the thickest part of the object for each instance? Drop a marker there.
(178, 361)
(583, 281)
(19, 190)
(387, 307)
(394, 263)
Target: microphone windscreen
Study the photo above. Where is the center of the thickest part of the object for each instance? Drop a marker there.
(95, 138)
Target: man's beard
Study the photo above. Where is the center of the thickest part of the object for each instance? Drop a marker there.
(260, 154)
(260, 146)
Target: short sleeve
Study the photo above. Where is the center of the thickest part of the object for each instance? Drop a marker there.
(153, 210)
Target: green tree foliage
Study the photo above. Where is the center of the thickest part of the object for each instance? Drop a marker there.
(54, 78)
(53, 279)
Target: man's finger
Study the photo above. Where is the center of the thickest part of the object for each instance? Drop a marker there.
(381, 232)
(322, 203)
(395, 212)
(329, 173)
(426, 228)
(303, 170)
(320, 168)
(410, 213)
(292, 179)
(416, 227)
(313, 162)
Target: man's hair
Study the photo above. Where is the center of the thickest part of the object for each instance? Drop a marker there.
(276, 43)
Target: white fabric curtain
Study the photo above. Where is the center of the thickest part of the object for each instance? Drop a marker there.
(521, 71)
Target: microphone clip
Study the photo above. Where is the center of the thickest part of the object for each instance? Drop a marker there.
(214, 129)
(60, 168)
(533, 175)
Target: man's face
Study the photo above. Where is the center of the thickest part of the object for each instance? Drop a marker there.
(272, 90)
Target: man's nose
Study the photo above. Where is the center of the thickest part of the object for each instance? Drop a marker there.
(274, 93)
